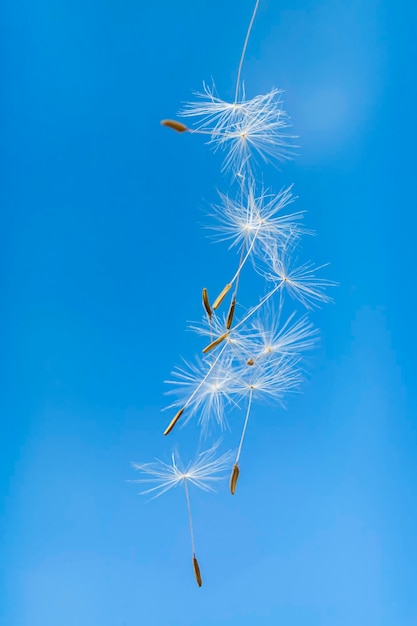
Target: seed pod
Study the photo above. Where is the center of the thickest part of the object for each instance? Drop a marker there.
(197, 572)
(174, 421)
(221, 296)
(206, 303)
(180, 128)
(250, 362)
(231, 314)
(215, 343)
(233, 478)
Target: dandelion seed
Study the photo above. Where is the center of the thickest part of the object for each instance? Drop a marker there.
(269, 379)
(300, 282)
(235, 472)
(257, 135)
(265, 379)
(256, 223)
(206, 469)
(206, 388)
(215, 114)
(243, 129)
(291, 337)
(255, 218)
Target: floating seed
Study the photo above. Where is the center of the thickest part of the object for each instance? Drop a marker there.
(250, 362)
(180, 128)
(221, 296)
(197, 572)
(206, 303)
(215, 343)
(231, 314)
(233, 478)
(174, 421)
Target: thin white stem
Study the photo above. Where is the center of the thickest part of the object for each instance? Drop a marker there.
(236, 278)
(239, 267)
(211, 338)
(190, 519)
(245, 45)
(244, 426)
(198, 131)
(258, 306)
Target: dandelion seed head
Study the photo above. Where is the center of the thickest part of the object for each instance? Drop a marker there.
(256, 219)
(271, 379)
(301, 282)
(211, 389)
(208, 467)
(283, 337)
(245, 129)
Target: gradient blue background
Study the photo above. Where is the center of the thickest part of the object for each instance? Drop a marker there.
(103, 258)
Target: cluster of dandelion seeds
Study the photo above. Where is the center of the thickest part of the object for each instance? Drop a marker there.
(254, 354)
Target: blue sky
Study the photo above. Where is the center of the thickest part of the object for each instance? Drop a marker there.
(103, 260)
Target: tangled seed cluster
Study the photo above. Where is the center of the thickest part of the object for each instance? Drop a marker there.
(253, 354)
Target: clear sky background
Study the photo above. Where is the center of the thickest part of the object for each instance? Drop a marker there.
(102, 263)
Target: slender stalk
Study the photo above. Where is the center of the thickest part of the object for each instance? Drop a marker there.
(182, 128)
(258, 306)
(235, 471)
(245, 425)
(209, 313)
(243, 258)
(211, 337)
(242, 261)
(199, 131)
(231, 313)
(196, 567)
(190, 519)
(245, 45)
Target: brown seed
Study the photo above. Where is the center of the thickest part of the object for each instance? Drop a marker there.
(206, 303)
(233, 478)
(174, 421)
(180, 128)
(197, 572)
(215, 343)
(231, 314)
(221, 296)
(250, 362)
